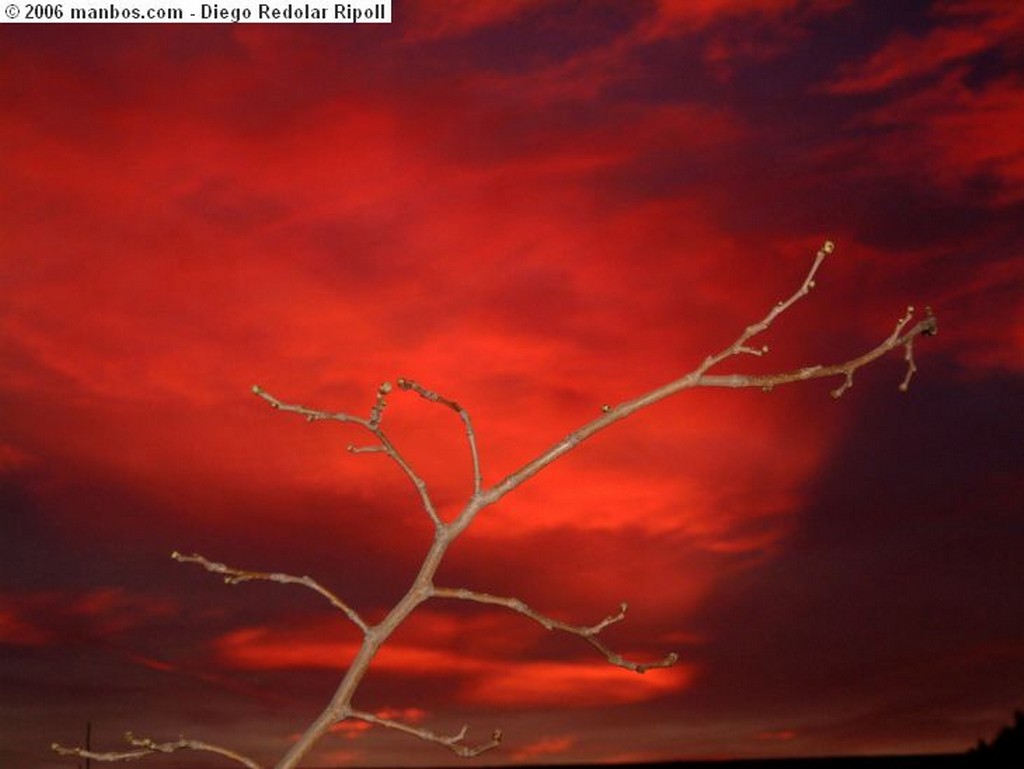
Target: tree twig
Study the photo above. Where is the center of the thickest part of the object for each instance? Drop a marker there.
(926, 327)
(372, 424)
(233, 576)
(146, 747)
(699, 377)
(454, 742)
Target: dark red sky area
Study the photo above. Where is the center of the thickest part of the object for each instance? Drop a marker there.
(534, 208)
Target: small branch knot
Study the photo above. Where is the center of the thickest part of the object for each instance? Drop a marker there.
(931, 323)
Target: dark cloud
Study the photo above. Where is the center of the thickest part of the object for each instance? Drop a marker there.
(908, 534)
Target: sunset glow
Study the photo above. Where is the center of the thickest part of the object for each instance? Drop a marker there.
(536, 208)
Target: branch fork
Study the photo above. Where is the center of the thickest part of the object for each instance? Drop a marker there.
(589, 634)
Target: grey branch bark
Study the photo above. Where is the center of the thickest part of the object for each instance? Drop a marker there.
(422, 588)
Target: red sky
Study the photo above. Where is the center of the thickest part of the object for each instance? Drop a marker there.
(535, 208)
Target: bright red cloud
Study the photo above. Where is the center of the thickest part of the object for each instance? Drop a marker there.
(500, 227)
(573, 685)
(476, 678)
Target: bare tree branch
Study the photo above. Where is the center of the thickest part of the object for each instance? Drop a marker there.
(147, 747)
(926, 327)
(549, 623)
(373, 426)
(312, 415)
(446, 532)
(740, 345)
(233, 576)
(408, 384)
(700, 378)
(453, 742)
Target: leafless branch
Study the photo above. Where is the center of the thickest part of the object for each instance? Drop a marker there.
(312, 415)
(740, 345)
(899, 338)
(454, 742)
(372, 424)
(908, 356)
(590, 634)
(233, 576)
(445, 532)
(699, 377)
(430, 395)
(353, 449)
(147, 747)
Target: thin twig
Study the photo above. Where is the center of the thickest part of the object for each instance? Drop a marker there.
(430, 395)
(926, 327)
(385, 446)
(312, 415)
(233, 576)
(146, 747)
(740, 345)
(454, 742)
(700, 378)
(590, 634)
